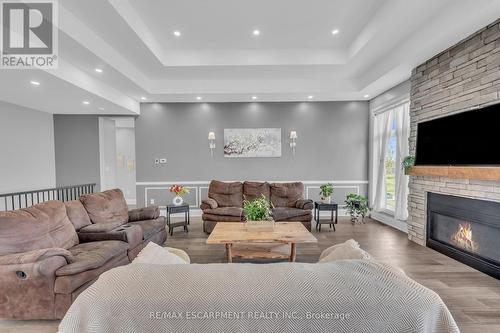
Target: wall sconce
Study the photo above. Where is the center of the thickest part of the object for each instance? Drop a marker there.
(293, 143)
(211, 142)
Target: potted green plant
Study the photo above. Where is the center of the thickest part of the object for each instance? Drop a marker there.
(357, 205)
(408, 162)
(258, 214)
(325, 192)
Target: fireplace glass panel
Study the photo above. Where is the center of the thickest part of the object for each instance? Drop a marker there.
(475, 238)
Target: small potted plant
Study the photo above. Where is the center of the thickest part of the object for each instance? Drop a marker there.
(407, 163)
(258, 214)
(179, 191)
(357, 205)
(325, 192)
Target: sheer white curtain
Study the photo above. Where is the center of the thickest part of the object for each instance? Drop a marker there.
(402, 114)
(382, 134)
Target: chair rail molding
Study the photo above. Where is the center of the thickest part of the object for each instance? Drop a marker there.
(158, 191)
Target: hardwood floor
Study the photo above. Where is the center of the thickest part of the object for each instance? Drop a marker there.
(472, 297)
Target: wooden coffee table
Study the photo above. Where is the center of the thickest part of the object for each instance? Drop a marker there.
(248, 244)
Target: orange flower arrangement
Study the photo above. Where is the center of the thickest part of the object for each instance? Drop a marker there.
(179, 190)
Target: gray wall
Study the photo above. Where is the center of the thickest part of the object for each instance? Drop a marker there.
(76, 149)
(26, 149)
(332, 144)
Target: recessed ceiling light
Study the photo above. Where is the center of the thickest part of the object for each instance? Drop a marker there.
(198, 98)
(143, 98)
(177, 33)
(254, 97)
(35, 83)
(335, 31)
(86, 102)
(310, 96)
(98, 70)
(366, 96)
(256, 32)
(101, 108)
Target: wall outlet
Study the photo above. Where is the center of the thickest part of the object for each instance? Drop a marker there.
(163, 161)
(157, 161)
(152, 201)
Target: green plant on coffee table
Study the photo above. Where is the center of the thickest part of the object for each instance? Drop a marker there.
(408, 162)
(258, 209)
(326, 190)
(357, 205)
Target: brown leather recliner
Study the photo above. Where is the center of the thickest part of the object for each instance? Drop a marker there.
(225, 202)
(45, 263)
(111, 220)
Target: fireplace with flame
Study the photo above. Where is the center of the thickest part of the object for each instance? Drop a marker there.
(465, 229)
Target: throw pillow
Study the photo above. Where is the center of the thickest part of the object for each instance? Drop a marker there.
(155, 254)
(347, 250)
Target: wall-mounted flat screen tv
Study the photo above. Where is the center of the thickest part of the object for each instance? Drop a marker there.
(467, 138)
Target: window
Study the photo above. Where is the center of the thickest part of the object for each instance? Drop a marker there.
(390, 169)
(390, 145)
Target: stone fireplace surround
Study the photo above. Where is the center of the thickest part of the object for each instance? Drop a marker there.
(460, 78)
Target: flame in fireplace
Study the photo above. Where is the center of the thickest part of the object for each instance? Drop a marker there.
(463, 237)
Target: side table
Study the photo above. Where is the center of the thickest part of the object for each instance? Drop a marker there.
(332, 207)
(172, 209)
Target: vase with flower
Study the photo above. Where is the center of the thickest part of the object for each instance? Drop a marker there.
(179, 191)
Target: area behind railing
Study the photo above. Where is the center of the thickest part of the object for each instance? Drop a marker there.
(18, 200)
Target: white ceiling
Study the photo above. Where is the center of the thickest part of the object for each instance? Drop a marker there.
(218, 58)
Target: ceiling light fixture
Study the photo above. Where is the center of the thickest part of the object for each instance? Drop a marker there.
(366, 96)
(335, 31)
(198, 98)
(256, 32)
(143, 98)
(310, 96)
(177, 33)
(254, 97)
(98, 70)
(35, 83)
(86, 102)
(101, 108)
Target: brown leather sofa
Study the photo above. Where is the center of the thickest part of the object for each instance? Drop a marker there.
(51, 252)
(225, 202)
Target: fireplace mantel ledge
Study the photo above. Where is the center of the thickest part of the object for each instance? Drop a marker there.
(457, 172)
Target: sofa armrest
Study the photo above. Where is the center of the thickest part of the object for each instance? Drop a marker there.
(304, 204)
(209, 203)
(34, 256)
(131, 234)
(145, 213)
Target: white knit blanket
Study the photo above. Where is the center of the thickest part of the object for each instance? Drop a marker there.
(342, 296)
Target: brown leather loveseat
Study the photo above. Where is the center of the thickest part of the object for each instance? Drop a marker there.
(51, 252)
(225, 202)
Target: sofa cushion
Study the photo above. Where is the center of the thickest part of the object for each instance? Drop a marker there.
(145, 213)
(286, 194)
(92, 255)
(66, 284)
(100, 227)
(285, 213)
(221, 218)
(42, 226)
(77, 214)
(107, 206)
(150, 227)
(226, 194)
(253, 190)
(225, 211)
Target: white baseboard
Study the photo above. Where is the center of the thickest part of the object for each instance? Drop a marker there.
(390, 221)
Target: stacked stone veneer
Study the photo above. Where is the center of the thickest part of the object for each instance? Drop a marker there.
(463, 77)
